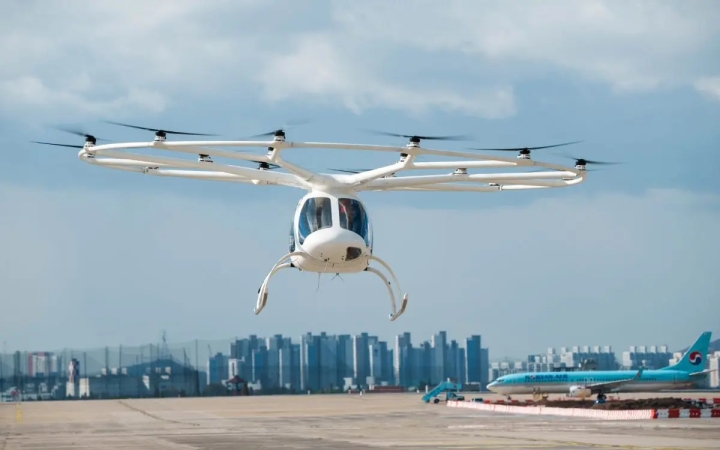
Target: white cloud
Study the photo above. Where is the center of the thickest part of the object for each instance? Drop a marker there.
(628, 44)
(84, 268)
(28, 94)
(135, 57)
(319, 67)
(709, 86)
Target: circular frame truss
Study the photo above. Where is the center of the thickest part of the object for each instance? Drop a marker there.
(121, 156)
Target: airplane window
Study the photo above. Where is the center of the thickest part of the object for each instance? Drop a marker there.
(353, 217)
(316, 214)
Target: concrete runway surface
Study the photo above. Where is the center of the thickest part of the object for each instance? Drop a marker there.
(338, 422)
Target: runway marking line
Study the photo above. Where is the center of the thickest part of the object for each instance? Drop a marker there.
(156, 417)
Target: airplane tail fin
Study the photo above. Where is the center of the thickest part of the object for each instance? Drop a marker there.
(694, 359)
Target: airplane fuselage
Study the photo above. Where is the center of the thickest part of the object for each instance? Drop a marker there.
(562, 382)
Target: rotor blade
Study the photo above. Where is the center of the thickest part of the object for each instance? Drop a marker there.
(601, 162)
(77, 132)
(156, 130)
(269, 133)
(587, 161)
(430, 138)
(288, 125)
(517, 149)
(59, 145)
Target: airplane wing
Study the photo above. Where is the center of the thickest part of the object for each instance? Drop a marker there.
(614, 384)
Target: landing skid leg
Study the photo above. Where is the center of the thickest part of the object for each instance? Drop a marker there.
(263, 291)
(386, 266)
(395, 313)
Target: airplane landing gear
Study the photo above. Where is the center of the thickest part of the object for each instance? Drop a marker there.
(539, 395)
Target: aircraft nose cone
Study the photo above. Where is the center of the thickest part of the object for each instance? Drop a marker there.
(334, 246)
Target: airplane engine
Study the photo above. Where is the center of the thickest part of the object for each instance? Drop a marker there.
(579, 391)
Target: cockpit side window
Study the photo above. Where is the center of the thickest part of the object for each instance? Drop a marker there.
(353, 217)
(292, 238)
(316, 214)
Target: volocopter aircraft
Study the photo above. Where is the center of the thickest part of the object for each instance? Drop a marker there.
(331, 229)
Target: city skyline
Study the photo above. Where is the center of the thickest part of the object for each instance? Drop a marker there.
(321, 362)
(207, 348)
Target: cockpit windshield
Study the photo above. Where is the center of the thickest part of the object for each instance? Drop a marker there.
(316, 214)
(354, 218)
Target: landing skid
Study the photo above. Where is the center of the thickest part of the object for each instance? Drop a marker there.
(263, 291)
(282, 264)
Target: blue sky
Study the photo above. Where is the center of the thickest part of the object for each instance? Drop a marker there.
(93, 256)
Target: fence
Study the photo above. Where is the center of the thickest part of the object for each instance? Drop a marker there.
(276, 364)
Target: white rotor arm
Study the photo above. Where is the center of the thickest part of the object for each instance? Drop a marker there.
(544, 179)
(275, 158)
(381, 179)
(456, 164)
(159, 170)
(363, 178)
(279, 178)
(408, 149)
(309, 177)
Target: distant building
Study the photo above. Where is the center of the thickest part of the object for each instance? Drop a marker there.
(649, 357)
(217, 369)
(714, 364)
(474, 360)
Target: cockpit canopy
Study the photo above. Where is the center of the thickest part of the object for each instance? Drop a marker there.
(322, 212)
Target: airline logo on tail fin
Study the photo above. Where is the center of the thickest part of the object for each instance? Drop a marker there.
(693, 359)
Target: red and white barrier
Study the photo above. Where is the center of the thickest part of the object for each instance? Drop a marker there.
(687, 413)
(571, 412)
(640, 414)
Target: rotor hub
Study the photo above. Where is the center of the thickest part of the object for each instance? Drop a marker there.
(580, 164)
(90, 140)
(524, 154)
(160, 136)
(279, 135)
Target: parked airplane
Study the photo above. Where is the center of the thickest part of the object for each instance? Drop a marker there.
(584, 384)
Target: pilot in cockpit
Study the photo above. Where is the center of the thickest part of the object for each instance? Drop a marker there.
(347, 212)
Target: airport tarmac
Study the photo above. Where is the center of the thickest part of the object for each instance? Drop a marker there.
(338, 422)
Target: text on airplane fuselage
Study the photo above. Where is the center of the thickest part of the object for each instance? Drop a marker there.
(558, 377)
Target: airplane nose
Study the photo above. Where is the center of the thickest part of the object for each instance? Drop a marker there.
(334, 246)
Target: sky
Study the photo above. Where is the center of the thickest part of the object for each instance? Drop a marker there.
(94, 257)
